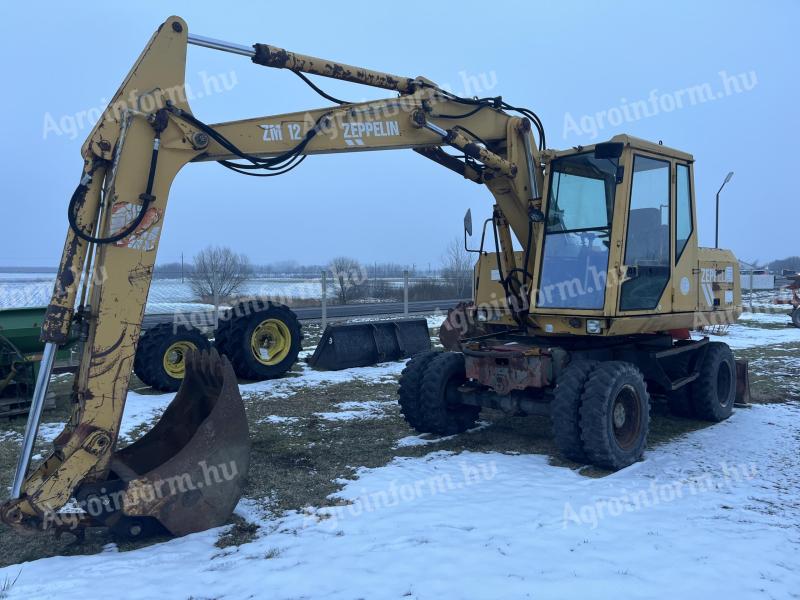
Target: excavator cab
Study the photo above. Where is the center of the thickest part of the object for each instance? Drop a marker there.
(617, 251)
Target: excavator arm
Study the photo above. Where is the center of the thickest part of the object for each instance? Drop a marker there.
(187, 473)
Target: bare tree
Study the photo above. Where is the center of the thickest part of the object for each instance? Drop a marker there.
(348, 274)
(791, 263)
(457, 268)
(218, 272)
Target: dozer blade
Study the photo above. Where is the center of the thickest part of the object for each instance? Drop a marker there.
(347, 345)
(188, 472)
(742, 383)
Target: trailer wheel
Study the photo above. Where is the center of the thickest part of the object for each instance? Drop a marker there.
(615, 415)
(439, 400)
(796, 317)
(565, 409)
(411, 386)
(160, 358)
(262, 344)
(714, 390)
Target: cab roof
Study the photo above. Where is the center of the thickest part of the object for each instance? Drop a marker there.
(637, 144)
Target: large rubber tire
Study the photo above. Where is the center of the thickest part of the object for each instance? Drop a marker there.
(235, 334)
(714, 390)
(439, 408)
(796, 317)
(160, 355)
(410, 388)
(565, 409)
(615, 438)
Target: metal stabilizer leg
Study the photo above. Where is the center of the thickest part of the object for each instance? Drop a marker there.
(34, 416)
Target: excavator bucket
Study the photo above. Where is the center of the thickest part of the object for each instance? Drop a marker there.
(345, 345)
(188, 472)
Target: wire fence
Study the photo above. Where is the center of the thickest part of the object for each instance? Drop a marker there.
(172, 292)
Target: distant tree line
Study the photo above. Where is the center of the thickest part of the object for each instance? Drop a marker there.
(289, 268)
(791, 263)
(217, 274)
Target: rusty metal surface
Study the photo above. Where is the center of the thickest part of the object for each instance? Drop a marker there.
(504, 368)
(742, 382)
(454, 327)
(189, 471)
(272, 56)
(487, 157)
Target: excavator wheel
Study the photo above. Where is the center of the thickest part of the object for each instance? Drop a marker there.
(714, 390)
(438, 408)
(408, 391)
(565, 410)
(161, 356)
(262, 344)
(615, 415)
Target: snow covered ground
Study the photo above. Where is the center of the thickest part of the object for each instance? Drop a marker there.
(712, 513)
(715, 513)
(308, 377)
(142, 409)
(750, 332)
(34, 289)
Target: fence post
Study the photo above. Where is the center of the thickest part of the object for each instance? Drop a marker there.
(216, 309)
(324, 300)
(405, 293)
(751, 290)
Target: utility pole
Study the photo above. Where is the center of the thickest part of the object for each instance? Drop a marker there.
(181, 267)
(716, 236)
(405, 293)
(324, 300)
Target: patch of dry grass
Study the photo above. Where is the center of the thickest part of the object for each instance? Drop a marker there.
(296, 464)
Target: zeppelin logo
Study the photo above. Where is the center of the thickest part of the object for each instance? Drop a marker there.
(707, 279)
(354, 133)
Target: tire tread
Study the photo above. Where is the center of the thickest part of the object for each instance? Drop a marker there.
(598, 443)
(565, 409)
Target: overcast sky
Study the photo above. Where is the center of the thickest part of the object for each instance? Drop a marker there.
(582, 66)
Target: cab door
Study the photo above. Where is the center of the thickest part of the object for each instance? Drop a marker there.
(686, 282)
(647, 252)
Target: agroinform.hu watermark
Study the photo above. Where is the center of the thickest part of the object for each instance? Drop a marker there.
(657, 103)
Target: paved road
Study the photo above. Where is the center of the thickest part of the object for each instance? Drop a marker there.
(204, 318)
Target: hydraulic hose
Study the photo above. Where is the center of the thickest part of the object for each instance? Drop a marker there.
(147, 198)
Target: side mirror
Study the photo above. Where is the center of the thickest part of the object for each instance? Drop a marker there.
(468, 222)
(608, 150)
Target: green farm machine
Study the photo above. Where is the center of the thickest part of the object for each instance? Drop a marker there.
(20, 355)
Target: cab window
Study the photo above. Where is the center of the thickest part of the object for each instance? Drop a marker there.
(577, 232)
(683, 224)
(647, 259)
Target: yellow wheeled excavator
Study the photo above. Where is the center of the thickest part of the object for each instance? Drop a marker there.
(584, 321)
